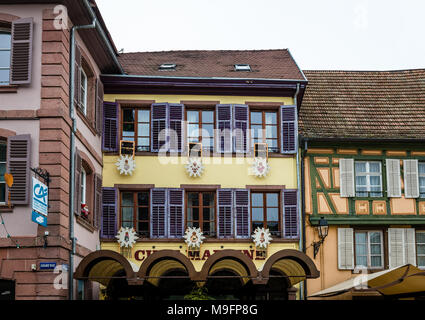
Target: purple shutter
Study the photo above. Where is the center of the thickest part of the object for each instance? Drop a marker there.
(99, 104)
(77, 77)
(110, 126)
(289, 130)
(225, 213)
(97, 200)
(240, 126)
(21, 51)
(109, 213)
(158, 213)
(18, 164)
(176, 133)
(175, 213)
(242, 213)
(225, 127)
(159, 122)
(290, 216)
(77, 189)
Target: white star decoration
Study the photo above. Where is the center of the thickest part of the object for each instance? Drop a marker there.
(126, 237)
(126, 164)
(262, 237)
(193, 237)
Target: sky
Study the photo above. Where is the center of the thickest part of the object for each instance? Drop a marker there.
(320, 34)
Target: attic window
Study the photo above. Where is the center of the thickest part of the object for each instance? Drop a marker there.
(242, 67)
(167, 66)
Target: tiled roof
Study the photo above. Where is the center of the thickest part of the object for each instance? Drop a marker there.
(364, 104)
(270, 64)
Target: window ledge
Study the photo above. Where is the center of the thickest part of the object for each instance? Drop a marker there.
(184, 154)
(6, 209)
(8, 89)
(86, 121)
(84, 223)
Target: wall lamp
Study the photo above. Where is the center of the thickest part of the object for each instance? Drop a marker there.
(322, 229)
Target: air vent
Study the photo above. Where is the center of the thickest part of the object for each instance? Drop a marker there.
(242, 67)
(167, 66)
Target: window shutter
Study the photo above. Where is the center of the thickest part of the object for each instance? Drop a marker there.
(97, 200)
(225, 213)
(176, 213)
(109, 213)
(401, 246)
(393, 178)
(77, 180)
(289, 130)
(242, 213)
(224, 126)
(290, 215)
(158, 124)
(346, 177)
(158, 213)
(21, 51)
(110, 126)
(345, 249)
(240, 125)
(99, 104)
(18, 164)
(411, 178)
(77, 76)
(176, 133)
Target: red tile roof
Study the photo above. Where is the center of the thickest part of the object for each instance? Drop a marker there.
(364, 104)
(270, 64)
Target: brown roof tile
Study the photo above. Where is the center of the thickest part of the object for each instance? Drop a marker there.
(270, 64)
(364, 104)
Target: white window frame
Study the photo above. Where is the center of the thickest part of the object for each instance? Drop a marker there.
(368, 174)
(83, 186)
(6, 31)
(4, 182)
(417, 254)
(83, 91)
(421, 175)
(368, 253)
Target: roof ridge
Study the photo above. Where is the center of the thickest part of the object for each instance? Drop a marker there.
(213, 50)
(358, 71)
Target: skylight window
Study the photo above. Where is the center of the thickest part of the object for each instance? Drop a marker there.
(242, 67)
(167, 66)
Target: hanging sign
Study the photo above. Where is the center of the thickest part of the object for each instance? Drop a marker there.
(39, 218)
(40, 194)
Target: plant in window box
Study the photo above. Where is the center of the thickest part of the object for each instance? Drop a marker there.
(85, 211)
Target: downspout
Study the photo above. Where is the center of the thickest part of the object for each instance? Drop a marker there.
(301, 247)
(303, 152)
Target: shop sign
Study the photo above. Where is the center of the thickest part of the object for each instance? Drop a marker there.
(47, 265)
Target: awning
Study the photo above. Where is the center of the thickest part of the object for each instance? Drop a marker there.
(403, 280)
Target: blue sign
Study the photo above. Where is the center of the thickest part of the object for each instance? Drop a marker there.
(40, 194)
(39, 218)
(47, 265)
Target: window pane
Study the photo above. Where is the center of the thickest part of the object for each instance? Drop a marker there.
(127, 199)
(271, 132)
(2, 192)
(208, 214)
(143, 213)
(3, 149)
(127, 224)
(272, 145)
(272, 199)
(143, 142)
(374, 167)
(375, 180)
(257, 214)
(420, 237)
(131, 138)
(375, 261)
(193, 199)
(207, 143)
(421, 168)
(257, 199)
(128, 129)
(361, 249)
(273, 226)
(2, 171)
(208, 130)
(208, 199)
(5, 40)
(143, 129)
(360, 166)
(144, 228)
(375, 249)
(143, 198)
(256, 225)
(361, 261)
(127, 214)
(421, 249)
(193, 224)
(4, 76)
(375, 237)
(257, 131)
(195, 214)
(256, 117)
(5, 59)
(208, 116)
(192, 116)
(421, 261)
(193, 130)
(361, 237)
(272, 214)
(361, 180)
(271, 118)
(143, 115)
(206, 228)
(128, 115)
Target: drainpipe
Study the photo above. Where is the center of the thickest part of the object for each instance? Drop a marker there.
(300, 215)
(303, 152)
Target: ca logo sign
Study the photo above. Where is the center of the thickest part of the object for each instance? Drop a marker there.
(61, 281)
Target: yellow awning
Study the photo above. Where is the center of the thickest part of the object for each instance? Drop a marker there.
(403, 280)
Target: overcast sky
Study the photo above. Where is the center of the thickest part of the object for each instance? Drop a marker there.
(321, 34)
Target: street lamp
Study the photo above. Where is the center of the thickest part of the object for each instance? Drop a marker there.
(322, 229)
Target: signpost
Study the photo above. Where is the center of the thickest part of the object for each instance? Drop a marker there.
(40, 202)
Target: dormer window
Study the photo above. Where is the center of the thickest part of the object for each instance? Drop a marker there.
(167, 66)
(242, 67)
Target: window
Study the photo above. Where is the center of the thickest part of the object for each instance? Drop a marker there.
(135, 211)
(136, 127)
(200, 127)
(5, 49)
(3, 148)
(420, 248)
(83, 185)
(201, 212)
(264, 129)
(167, 66)
(368, 179)
(265, 212)
(421, 170)
(242, 67)
(369, 249)
(83, 91)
